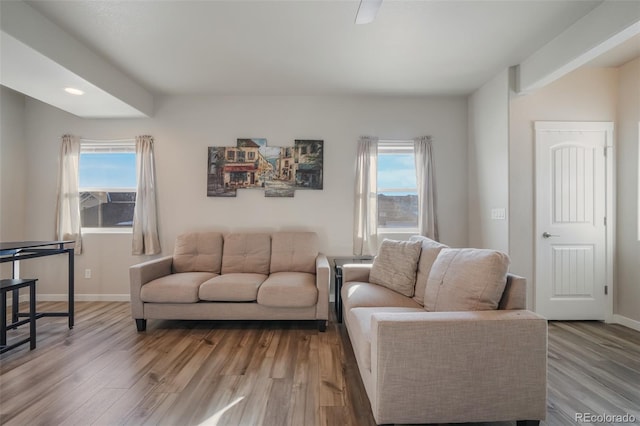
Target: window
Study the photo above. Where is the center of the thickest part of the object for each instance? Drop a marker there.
(107, 179)
(397, 190)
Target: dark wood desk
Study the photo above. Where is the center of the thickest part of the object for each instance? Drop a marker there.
(23, 250)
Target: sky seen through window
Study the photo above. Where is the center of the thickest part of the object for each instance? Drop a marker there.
(396, 171)
(108, 170)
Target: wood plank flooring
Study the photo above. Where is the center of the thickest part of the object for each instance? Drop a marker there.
(103, 372)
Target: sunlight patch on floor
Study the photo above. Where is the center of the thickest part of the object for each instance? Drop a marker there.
(213, 420)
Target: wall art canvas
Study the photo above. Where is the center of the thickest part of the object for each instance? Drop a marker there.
(252, 164)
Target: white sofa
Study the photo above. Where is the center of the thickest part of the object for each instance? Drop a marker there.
(420, 364)
(234, 276)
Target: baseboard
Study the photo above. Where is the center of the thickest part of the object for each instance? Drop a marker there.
(78, 298)
(627, 322)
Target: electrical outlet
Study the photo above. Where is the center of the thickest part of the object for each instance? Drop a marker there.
(87, 273)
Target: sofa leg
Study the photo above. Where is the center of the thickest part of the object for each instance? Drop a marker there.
(141, 324)
(528, 422)
(322, 325)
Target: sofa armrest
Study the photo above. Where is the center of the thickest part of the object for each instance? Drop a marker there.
(356, 272)
(323, 281)
(515, 293)
(143, 273)
(455, 367)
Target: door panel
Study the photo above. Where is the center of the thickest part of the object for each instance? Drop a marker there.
(574, 273)
(573, 186)
(570, 235)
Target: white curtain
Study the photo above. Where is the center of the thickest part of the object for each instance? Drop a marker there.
(427, 220)
(68, 225)
(365, 232)
(145, 222)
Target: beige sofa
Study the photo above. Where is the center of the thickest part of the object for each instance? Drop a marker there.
(234, 276)
(422, 365)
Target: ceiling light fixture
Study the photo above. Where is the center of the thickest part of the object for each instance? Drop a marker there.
(73, 91)
(367, 11)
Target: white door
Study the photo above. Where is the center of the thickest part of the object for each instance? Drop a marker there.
(572, 178)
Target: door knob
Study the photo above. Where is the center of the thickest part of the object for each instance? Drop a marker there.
(548, 235)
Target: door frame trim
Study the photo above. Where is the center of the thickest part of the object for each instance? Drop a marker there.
(610, 198)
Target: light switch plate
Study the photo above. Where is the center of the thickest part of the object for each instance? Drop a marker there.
(498, 214)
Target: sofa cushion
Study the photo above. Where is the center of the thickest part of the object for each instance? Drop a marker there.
(198, 252)
(294, 252)
(466, 280)
(232, 288)
(175, 288)
(358, 294)
(395, 266)
(246, 252)
(289, 289)
(359, 320)
(428, 255)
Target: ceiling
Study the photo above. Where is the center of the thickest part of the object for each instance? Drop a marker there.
(313, 47)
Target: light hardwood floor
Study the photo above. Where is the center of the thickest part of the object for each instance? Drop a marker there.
(103, 372)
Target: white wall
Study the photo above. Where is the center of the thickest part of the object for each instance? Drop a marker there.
(489, 164)
(588, 94)
(185, 126)
(12, 164)
(627, 244)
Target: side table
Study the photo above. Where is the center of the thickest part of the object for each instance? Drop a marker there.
(338, 263)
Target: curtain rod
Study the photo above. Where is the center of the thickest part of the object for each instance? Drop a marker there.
(108, 140)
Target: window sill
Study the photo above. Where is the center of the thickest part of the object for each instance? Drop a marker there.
(107, 230)
(382, 231)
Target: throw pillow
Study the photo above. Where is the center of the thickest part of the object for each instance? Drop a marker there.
(466, 280)
(395, 266)
(428, 255)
